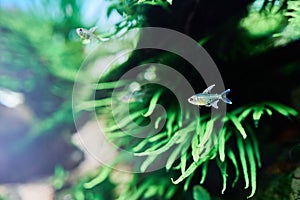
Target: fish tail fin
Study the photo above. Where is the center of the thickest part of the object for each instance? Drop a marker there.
(224, 98)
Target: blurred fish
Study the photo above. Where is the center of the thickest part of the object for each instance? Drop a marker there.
(149, 74)
(88, 35)
(133, 97)
(208, 99)
(134, 86)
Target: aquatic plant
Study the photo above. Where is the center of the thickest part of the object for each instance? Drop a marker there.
(194, 142)
(279, 20)
(132, 12)
(191, 141)
(292, 29)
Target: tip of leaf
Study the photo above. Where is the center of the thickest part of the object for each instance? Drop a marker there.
(256, 123)
(173, 181)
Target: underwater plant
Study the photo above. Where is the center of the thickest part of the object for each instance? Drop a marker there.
(191, 142)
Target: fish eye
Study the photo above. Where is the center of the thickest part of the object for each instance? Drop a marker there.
(80, 29)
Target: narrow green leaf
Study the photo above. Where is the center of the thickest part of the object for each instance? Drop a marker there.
(158, 120)
(231, 156)
(284, 110)
(208, 132)
(212, 154)
(188, 172)
(203, 40)
(245, 114)
(88, 105)
(104, 173)
(241, 149)
(252, 163)
(177, 167)
(137, 194)
(223, 168)
(228, 135)
(157, 136)
(157, 145)
(239, 126)
(187, 183)
(170, 192)
(124, 122)
(255, 146)
(150, 192)
(195, 147)
(258, 111)
(222, 144)
(171, 142)
(170, 121)
(116, 135)
(109, 10)
(183, 160)
(140, 146)
(111, 85)
(79, 195)
(204, 172)
(153, 103)
(147, 162)
(179, 118)
(268, 111)
(199, 193)
(173, 156)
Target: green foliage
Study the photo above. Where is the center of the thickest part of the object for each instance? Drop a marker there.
(148, 188)
(199, 193)
(193, 145)
(292, 30)
(260, 24)
(276, 19)
(59, 178)
(197, 142)
(155, 2)
(2, 198)
(79, 192)
(133, 13)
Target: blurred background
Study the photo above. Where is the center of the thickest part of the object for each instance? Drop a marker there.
(40, 54)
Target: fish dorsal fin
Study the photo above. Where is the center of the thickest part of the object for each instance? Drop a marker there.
(215, 104)
(93, 29)
(207, 90)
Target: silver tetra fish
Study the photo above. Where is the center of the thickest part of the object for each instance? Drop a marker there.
(87, 35)
(208, 99)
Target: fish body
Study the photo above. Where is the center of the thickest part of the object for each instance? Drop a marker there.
(132, 97)
(87, 35)
(207, 99)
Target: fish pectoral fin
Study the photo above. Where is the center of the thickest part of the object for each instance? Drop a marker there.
(207, 90)
(215, 104)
